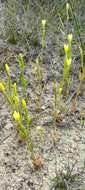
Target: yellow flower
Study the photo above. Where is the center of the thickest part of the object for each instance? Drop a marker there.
(2, 88)
(66, 48)
(16, 116)
(70, 37)
(43, 23)
(24, 104)
(7, 69)
(69, 62)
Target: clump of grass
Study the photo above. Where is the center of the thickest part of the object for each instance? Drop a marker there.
(76, 21)
(10, 12)
(75, 13)
(65, 177)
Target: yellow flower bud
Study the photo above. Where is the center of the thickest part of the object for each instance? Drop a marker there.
(15, 88)
(37, 61)
(21, 57)
(7, 69)
(67, 6)
(60, 90)
(16, 116)
(2, 88)
(70, 37)
(43, 23)
(16, 100)
(66, 48)
(69, 62)
(24, 104)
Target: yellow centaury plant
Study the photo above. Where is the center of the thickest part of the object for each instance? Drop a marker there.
(16, 106)
(67, 61)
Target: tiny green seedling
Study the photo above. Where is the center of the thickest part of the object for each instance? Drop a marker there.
(41, 132)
